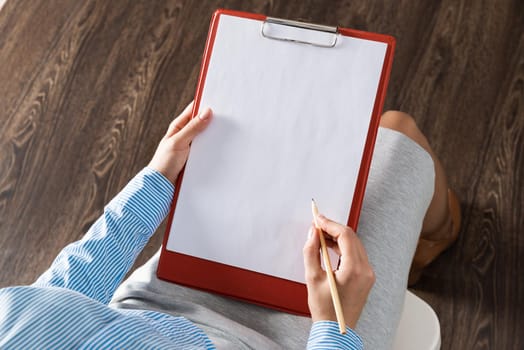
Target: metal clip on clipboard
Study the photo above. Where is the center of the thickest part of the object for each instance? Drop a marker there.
(314, 34)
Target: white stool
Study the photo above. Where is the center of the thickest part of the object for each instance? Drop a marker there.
(419, 327)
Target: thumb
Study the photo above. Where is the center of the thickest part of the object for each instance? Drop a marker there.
(194, 127)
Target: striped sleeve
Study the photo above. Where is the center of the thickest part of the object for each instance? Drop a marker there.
(325, 335)
(96, 264)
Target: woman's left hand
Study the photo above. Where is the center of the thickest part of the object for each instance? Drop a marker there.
(173, 149)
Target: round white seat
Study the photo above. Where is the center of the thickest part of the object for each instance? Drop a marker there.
(419, 327)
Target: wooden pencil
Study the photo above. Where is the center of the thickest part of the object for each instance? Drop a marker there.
(329, 271)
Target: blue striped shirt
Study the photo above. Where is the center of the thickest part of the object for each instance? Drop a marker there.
(67, 307)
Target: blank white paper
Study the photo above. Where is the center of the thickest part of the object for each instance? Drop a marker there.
(289, 123)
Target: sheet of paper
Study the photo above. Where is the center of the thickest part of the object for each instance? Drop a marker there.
(290, 123)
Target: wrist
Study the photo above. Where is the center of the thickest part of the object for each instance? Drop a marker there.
(350, 317)
(168, 174)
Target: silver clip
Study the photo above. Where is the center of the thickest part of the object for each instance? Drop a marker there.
(301, 25)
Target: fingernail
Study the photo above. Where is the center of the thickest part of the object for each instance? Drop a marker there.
(321, 217)
(205, 114)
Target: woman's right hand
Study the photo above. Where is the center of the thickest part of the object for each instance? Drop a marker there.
(354, 276)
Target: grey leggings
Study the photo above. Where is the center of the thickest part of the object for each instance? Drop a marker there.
(399, 190)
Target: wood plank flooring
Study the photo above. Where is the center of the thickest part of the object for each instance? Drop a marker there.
(87, 89)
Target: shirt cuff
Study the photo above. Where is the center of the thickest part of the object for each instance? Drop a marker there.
(147, 196)
(326, 335)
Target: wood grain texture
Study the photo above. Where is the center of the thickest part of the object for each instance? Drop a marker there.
(88, 88)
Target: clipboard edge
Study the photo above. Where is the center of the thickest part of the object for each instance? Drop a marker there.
(257, 288)
(365, 164)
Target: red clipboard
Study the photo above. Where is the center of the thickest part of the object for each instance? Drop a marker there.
(244, 284)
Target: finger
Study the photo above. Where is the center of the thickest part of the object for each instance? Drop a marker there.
(360, 247)
(311, 254)
(333, 245)
(356, 257)
(350, 259)
(179, 122)
(338, 232)
(194, 127)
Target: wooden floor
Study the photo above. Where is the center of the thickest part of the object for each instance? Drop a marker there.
(88, 87)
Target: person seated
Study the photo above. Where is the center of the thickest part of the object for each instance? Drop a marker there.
(81, 302)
